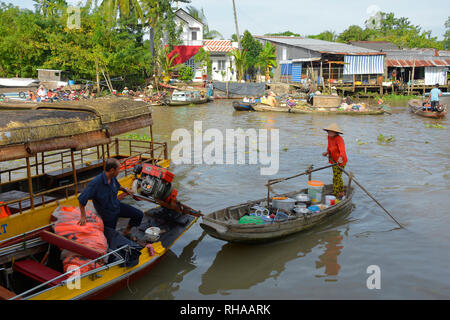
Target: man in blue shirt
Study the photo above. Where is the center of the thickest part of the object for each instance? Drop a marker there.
(435, 93)
(103, 193)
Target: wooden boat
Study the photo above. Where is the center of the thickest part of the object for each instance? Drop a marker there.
(187, 97)
(243, 106)
(265, 108)
(326, 101)
(77, 137)
(415, 106)
(224, 224)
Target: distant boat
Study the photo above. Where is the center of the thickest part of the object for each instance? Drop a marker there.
(18, 82)
(243, 106)
(187, 97)
(416, 107)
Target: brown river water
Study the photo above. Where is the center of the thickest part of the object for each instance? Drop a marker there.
(409, 176)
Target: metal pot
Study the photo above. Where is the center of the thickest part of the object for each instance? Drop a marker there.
(285, 204)
(303, 198)
(152, 234)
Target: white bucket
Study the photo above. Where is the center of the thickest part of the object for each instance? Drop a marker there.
(330, 200)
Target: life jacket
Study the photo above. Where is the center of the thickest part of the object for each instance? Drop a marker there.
(4, 211)
(91, 235)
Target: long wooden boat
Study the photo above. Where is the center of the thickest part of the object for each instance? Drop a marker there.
(243, 106)
(187, 97)
(77, 137)
(415, 106)
(224, 224)
(265, 108)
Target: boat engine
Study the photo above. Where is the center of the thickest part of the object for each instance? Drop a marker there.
(156, 182)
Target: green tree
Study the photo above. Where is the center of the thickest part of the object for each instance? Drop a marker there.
(240, 59)
(326, 35)
(447, 35)
(285, 34)
(353, 33)
(204, 58)
(267, 59)
(167, 64)
(252, 47)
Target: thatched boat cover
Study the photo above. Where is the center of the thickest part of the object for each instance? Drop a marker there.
(69, 124)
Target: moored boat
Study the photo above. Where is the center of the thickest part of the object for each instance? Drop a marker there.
(308, 110)
(416, 107)
(187, 97)
(243, 106)
(77, 138)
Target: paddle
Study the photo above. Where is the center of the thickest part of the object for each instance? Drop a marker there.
(174, 205)
(369, 194)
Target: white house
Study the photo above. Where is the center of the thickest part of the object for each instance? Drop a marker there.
(192, 38)
(223, 68)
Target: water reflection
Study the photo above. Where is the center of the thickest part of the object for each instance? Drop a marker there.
(238, 266)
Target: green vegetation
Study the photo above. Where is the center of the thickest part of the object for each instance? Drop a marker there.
(385, 140)
(110, 36)
(435, 126)
(136, 136)
(399, 31)
(186, 73)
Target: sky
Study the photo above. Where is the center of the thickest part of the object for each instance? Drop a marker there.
(308, 17)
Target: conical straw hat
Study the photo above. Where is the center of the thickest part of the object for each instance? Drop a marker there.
(333, 127)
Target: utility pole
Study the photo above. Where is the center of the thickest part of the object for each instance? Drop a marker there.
(236, 23)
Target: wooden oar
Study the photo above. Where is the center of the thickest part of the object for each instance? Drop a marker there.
(370, 195)
(271, 182)
(174, 205)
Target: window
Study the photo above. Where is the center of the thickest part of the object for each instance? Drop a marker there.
(221, 65)
(190, 63)
(194, 35)
(284, 53)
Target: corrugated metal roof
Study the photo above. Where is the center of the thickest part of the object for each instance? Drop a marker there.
(424, 62)
(320, 45)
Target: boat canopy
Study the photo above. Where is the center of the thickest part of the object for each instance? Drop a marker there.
(68, 125)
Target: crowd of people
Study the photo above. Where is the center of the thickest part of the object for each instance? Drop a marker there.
(43, 94)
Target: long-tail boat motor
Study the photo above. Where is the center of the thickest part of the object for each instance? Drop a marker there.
(156, 182)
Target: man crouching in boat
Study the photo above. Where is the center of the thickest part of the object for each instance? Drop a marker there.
(103, 193)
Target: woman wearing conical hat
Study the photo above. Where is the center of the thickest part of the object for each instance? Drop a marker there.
(336, 152)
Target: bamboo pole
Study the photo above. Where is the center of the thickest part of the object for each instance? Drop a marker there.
(30, 183)
(74, 171)
(351, 177)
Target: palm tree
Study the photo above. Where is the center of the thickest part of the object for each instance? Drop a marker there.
(49, 7)
(240, 60)
(200, 16)
(267, 59)
(113, 7)
(167, 65)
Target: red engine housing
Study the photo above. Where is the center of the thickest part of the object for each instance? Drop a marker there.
(158, 172)
(157, 182)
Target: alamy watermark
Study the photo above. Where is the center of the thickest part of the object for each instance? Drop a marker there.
(374, 280)
(212, 147)
(73, 17)
(74, 281)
